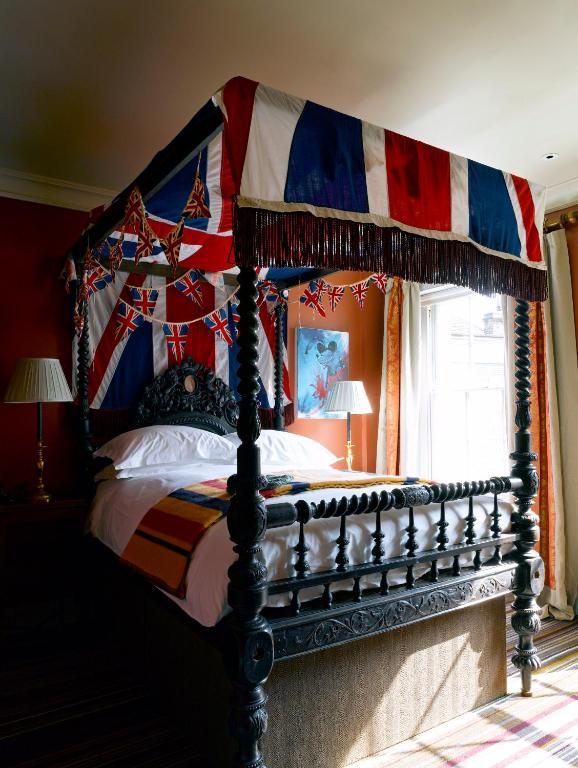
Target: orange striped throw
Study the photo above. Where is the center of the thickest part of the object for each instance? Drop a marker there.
(162, 545)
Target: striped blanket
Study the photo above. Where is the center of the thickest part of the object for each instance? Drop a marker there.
(162, 545)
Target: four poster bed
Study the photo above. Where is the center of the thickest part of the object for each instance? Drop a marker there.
(305, 190)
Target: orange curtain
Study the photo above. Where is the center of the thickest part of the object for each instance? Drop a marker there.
(544, 504)
(393, 376)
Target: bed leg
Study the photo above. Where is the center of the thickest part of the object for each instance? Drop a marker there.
(248, 645)
(529, 575)
(528, 582)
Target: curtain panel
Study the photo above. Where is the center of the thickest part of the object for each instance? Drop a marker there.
(562, 381)
(398, 433)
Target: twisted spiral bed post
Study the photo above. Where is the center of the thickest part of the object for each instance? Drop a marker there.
(529, 576)
(248, 646)
(278, 415)
(83, 364)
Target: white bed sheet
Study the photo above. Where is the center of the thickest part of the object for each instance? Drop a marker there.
(120, 505)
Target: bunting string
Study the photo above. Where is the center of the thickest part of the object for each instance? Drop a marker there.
(129, 316)
(316, 291)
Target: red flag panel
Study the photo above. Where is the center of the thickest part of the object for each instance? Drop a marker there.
(418, 182)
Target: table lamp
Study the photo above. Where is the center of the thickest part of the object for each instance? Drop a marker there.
(38, 380)
(349, 397)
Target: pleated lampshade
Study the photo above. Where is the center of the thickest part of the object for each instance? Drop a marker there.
(38, 380)
(348, 396)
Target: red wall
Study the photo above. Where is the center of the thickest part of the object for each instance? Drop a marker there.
(35, 323)
(365, 328)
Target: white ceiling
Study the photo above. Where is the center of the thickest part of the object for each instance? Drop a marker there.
(91, 89)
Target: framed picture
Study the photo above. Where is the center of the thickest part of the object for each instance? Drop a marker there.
(322, 359)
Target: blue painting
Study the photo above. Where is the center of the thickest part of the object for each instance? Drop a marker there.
(322, 360)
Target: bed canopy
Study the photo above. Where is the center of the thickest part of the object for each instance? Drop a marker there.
(262, 178)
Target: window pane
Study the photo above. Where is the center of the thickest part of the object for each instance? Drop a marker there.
(449, 436)
(464, 395)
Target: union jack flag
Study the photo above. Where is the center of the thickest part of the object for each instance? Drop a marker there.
(127, 321)
(121, 367)
(115, 255)
(134, 210)
(92, 257)
(270, 294)
(335, 294)
(218, 322)
(191, 286)
(235, 316)
(96, 279)
(144, 299)
(146, 241)
(177, 336)
(171, 244)
(313, 296)
(196, 208)
(380, 279)
(359, 290)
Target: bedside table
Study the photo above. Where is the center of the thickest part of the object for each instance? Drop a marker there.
(40, 557)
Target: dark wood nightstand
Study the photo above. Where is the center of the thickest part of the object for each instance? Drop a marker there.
(40, 557)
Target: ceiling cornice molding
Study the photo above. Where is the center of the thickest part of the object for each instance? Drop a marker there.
(81, 197)
(561, 195)
(43, 189)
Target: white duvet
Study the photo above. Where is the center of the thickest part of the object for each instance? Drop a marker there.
(120, 505)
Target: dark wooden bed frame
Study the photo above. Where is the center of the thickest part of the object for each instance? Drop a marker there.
(252, 636)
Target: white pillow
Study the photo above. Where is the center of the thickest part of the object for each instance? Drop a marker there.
(155, 470)
(166, 444)
(286, 449)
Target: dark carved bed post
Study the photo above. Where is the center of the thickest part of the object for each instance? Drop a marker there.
(529, 576)
(82, 381)
(278, 411)
(249, 641)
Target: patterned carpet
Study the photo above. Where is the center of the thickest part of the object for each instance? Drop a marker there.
(79, 704)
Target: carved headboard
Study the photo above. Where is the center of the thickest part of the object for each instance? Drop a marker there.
(191, 394)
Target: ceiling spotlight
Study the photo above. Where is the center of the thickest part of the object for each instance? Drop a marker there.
(550, 156)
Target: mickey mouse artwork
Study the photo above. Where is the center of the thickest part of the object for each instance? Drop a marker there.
(322, 360)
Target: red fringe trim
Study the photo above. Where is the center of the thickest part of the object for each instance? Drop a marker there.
(269, 238)
(267, 415)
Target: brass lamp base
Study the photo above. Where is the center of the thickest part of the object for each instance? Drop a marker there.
(349, 454)
(40, 496)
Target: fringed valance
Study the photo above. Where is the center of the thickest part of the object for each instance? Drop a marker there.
(318, 188)
(301, 239)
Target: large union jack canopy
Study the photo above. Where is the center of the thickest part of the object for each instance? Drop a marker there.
(262, 178)
(290, 184)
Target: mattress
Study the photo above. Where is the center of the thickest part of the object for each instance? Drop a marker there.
(120, 505)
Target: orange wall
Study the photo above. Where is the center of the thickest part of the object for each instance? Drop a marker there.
(365, 328)
(35, 323)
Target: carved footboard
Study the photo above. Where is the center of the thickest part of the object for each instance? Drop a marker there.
(346, 610)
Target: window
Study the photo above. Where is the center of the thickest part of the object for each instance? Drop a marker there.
(463, 409)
